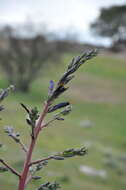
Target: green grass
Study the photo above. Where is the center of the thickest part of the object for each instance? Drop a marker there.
(98, 94)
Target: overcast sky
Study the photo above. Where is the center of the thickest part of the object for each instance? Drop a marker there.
(58, 15)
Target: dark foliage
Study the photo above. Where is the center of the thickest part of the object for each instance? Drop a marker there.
(111, 23)
(22, 58)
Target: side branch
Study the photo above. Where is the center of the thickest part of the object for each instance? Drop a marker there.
(24, 148)
(62, 155)
(46, 124)
(10, 168)
(16, 137)
(41, 160)
(54, 157)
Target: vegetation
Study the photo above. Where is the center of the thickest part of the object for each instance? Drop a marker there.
(98, 94)
(111, 23)
(21, 58)
(37, 123)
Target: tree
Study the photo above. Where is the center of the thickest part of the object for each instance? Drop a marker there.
(111, 23)
(23, 57)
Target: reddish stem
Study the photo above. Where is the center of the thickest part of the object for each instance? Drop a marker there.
(38, 128)
(26, 166)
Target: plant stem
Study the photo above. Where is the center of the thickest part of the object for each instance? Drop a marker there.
(26, 166)
(41, 160)
(38, 128)
(10, 168)
(24, 148)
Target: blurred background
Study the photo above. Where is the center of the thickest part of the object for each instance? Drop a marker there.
(37, 41)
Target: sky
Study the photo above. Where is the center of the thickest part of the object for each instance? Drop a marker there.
(57, 15)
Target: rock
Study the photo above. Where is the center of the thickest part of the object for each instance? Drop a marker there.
(86, 123)
(93, 172)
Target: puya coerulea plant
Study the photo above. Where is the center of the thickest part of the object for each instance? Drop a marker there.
(36, 120)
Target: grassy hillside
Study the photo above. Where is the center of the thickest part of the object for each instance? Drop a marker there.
(98, 121)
